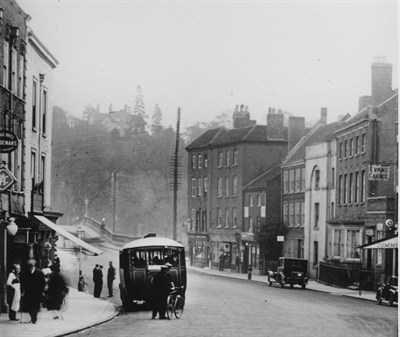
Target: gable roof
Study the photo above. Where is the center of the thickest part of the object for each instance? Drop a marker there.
(365, 113)
(206, 138)
(267, 175)
(319, 133)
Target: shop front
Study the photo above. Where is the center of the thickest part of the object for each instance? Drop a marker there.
(250, 254)
(389, 248)
(199, 250)
(224, 251)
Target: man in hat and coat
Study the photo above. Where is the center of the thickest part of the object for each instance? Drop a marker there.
(33, 284)
(97, 280)
(161, 287)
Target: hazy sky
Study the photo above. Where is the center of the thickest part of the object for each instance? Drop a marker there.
(208, 56)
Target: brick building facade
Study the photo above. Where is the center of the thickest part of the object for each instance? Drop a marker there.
(366, 143)
(221, 163)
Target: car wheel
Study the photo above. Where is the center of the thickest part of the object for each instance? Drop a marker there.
(378, 298)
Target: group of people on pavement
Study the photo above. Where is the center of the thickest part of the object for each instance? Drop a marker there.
(98, 279)
(26, 291)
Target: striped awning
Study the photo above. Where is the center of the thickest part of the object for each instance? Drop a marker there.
(387, 243)
(73, 238)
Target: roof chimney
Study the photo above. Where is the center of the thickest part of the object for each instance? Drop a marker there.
(275, 126)
(324, 116)
(381, 79)
(364, 101)
(297, 129)
(241, 118)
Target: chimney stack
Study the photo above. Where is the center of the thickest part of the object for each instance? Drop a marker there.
(381, 80)
(275, 126)
(324, 116)
(364, 101)
(296, 130)
(241, 118)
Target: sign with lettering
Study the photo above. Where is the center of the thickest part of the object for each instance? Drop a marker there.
(263, 212)
(8, 141)
(379, 172)
(6, 178)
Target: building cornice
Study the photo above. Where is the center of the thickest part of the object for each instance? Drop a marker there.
(41, 49)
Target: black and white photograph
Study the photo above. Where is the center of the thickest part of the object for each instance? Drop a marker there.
(197, 168)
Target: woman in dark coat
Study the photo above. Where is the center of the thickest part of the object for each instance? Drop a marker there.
(57, 291)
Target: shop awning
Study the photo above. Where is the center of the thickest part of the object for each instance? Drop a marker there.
(387, 243)
(69, 236)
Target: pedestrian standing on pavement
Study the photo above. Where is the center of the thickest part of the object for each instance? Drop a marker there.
(100, 280)
(33, 284)
(110, 279)
(13, 292)
(57, 292)
(161, 287)
(221, 262)
(237, 262)
(97, 278)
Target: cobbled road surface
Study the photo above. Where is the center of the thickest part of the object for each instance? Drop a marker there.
(217, 306)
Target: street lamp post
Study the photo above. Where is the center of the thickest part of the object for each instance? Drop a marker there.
(80, 233)
(11, 229)
(238, 237)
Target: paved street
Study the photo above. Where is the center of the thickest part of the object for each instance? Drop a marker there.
(228, 307)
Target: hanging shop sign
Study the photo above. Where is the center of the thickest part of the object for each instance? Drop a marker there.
(379, 172)
(6, 178)
(8, 141)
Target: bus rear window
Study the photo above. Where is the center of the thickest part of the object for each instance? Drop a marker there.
(140, 258)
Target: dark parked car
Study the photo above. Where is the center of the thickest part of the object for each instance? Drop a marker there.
(290, 271)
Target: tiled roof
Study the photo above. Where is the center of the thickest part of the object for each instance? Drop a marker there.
(318, 134)
(206, 138)
(221, 136)
(364, 113)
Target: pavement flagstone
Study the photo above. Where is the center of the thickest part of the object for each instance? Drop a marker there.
(81, 311)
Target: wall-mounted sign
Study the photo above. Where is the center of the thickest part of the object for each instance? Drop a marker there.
(369, 232)
(246, 212)
(6, 178)
(8, 141)
(263, 213)
(280, 238)
(379, 172)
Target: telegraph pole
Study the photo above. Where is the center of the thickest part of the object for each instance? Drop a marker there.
(175, 175)
(114, 196)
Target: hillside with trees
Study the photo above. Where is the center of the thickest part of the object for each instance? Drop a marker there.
(122, 155)
(85, 155)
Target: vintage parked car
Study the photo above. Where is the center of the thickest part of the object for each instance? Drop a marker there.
(290, 271)
(387, 291)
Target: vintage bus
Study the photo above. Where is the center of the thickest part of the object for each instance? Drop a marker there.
(140, 260)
